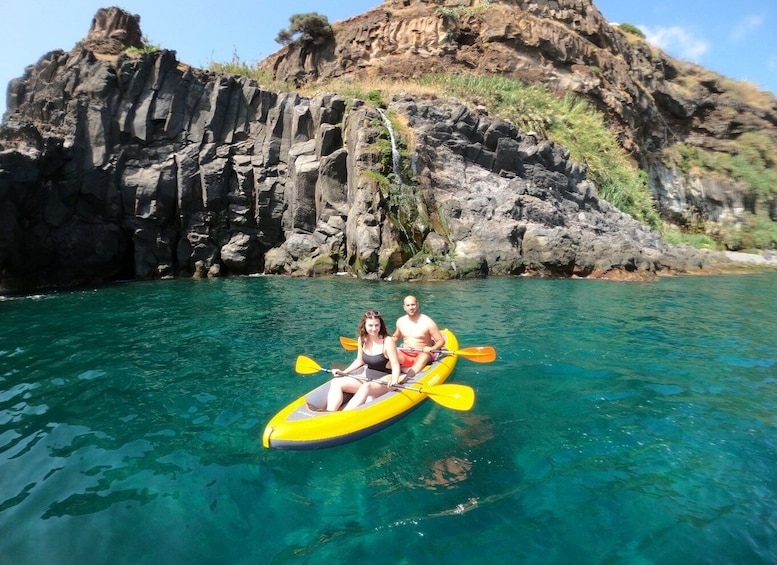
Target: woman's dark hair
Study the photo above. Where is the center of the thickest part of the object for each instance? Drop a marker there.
(361, 332)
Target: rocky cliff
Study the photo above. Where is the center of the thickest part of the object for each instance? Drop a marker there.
(652, 101)
(115, 166)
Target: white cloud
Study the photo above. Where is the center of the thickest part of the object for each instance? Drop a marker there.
(745, 27)
(677, 41)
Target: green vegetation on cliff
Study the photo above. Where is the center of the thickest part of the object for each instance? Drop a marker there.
(632, 29)
(310, 27)
(752, 163)
(148, 47)
(569, 121)
(252, 71)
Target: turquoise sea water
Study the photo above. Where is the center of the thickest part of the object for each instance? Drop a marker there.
(621, 423)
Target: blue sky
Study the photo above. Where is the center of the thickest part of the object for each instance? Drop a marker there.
(737, 39)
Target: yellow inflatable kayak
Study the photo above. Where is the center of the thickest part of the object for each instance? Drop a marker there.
(304, 424)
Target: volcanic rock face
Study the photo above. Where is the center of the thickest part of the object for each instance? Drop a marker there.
(120, 166)
(650, 99)
(112, 31)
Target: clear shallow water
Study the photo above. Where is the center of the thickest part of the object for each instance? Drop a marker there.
(621, 423)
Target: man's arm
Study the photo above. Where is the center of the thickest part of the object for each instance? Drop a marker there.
(436, 335)
(397, 333)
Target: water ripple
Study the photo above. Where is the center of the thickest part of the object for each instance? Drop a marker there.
(634, 423)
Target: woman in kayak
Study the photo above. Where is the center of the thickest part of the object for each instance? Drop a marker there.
(378, 351)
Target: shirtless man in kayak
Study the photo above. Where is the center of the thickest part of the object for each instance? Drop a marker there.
(417, 331)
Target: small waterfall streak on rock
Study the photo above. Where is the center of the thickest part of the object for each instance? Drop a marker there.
(397, 181)
(394, 150)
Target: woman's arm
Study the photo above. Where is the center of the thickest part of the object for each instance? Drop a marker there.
(355, 364)
(390, 350)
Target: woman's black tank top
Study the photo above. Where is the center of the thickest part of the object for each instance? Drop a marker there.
(376, 362)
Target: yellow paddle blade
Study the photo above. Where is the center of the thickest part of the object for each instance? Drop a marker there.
(456, 397)
(306, 366)
(349, 344)
(482, 354)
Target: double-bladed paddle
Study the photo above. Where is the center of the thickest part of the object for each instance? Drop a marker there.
(456, 397)
(480, 354)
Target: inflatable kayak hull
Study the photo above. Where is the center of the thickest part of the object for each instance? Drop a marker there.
(304, 423)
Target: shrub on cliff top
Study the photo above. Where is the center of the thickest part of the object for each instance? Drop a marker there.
(632, 29)
(311, 27)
